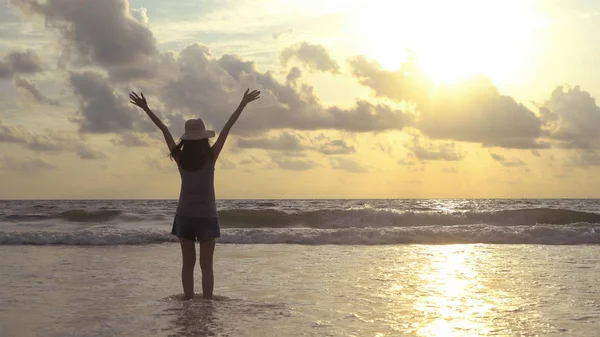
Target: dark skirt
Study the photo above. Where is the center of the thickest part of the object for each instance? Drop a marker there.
(196, 229)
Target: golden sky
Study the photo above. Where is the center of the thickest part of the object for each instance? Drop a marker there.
(360, 99)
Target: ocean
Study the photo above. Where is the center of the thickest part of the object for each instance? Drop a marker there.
(305, 268)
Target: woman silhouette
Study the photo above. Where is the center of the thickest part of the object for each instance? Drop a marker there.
(196, 217)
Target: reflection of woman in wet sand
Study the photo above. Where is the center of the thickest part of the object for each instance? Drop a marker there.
(196, 218)
(195, 319)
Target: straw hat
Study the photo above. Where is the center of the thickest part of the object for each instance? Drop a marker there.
(195, 129)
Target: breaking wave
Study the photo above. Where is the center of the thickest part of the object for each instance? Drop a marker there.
(580, 233)
(369, 217)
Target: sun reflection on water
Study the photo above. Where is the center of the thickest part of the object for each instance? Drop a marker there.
(452, 301)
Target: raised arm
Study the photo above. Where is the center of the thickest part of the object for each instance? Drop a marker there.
(141, 102)
(248, 97)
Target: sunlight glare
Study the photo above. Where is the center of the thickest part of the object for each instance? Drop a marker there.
(450, 39)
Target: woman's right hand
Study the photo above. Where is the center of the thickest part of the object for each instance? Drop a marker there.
(249, 97)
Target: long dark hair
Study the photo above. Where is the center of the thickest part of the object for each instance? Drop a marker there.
(192, 155)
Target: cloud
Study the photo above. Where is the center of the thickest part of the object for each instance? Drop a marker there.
(226, 164)
(101, 110)
(584, 158)
(34, 92)
(96, 32)
(312, 56)
(285, 141)
(293, 143)
(26, 165)
(161, 164)
(293, 75)
(346, 164)
(450, 170)
(48, 142)
(385, 148)
(19, 135)
(140, 14)
(130, 139)
(20, 63)
(472, 110)
(507, 163)
(572, 118)
(84, 152)
(434, 151)
(283, 33)
(404, 84)
(293, 164)
(202, 85)
(333, 146)
(250, 161)
(404, 162)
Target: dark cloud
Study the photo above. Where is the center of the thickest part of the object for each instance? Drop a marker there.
(346, 164)
(20, 63)
(572, 118)
(101, 110)
(96, 32)
(506, 162)
(34, 92)
(312, 56)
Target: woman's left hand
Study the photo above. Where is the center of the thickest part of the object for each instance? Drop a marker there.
(139, 101)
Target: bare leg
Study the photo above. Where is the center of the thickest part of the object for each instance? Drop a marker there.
(207, 249)
(188, 254)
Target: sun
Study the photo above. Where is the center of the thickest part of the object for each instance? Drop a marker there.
(451, 40)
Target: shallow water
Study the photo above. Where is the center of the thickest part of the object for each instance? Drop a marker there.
(290, 290)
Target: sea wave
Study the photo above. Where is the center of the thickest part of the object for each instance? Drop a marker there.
(370, 217)
(78, 215)
(582, 233)
(361, 217)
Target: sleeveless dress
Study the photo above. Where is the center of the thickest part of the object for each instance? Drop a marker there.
(196, 218)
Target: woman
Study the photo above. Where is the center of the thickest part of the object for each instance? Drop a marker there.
(196, 218)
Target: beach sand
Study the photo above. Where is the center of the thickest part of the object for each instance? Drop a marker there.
(296, 290)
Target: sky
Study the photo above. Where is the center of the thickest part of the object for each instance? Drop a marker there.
(360, 99)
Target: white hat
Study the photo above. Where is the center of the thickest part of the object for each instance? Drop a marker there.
(195, 129)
